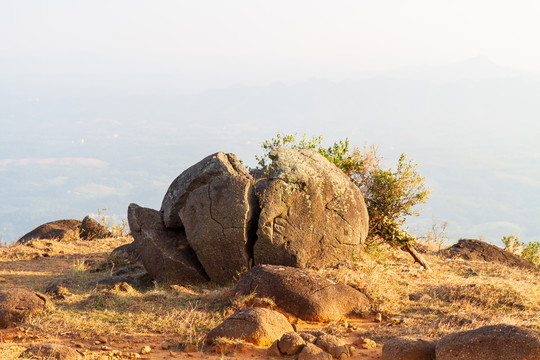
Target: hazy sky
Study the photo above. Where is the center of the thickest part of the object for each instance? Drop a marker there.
(252, 42)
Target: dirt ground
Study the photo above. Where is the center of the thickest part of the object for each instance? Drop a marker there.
(34, 271)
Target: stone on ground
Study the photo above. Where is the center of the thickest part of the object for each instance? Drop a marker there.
(291, 343)
(494, 342)
(90, 229)
(258, 326)
(309, 297)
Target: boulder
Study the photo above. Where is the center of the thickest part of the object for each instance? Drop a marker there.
(53, 230)
(51, 351)
(493, 342)
(258, 326)
(312, 214)
(219, 219)
(18, 303)
(215, 202)
(60, 288)
(334, 346)
(200, 174)
(408, 348)
(291, 343)
(90, 229)
(470, 249)
(309, 297)
(165, 253)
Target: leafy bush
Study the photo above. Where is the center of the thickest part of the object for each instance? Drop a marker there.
(390, 195)
(118, 229)
(530, 251)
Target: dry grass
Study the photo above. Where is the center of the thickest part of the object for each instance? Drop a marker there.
(455, 296)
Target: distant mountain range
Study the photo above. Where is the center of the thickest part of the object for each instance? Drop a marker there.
(473, 127)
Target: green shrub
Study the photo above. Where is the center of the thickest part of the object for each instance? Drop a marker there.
(530, 251)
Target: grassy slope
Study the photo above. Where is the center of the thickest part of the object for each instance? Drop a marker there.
(456, 295)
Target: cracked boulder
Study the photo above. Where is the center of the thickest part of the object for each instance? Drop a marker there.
(165, 253)
(312, 214)
(308, 297)
(215, 202)
(258, 326)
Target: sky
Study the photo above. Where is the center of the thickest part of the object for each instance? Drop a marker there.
(211, 43)
(79, 62)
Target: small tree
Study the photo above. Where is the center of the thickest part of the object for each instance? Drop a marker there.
(389, 195)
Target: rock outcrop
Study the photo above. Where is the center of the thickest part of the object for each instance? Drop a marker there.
(471, 249)
(490, 343)
(312, 214)
(53, 230)
(311, 298)
(216, 220)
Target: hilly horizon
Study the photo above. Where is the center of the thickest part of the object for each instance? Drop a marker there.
(472, 127)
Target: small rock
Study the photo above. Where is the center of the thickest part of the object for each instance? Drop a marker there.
(90, 229)
(165, 345)
(190, 348)
(273, 350)
(145, 350)
(308, 337)
(369, 344)
(106, 348)
(291, 343)
(102, 339)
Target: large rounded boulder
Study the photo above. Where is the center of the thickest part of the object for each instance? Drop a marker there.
(312, 214)
(309, 297)
(215, 202)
